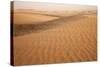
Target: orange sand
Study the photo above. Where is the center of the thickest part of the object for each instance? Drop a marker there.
(75, 40)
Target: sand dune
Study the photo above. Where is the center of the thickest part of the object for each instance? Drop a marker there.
(28, 27)
(29, 18)
(74, 39)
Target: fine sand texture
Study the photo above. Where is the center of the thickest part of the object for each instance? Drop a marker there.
(45, 39)
(73, 40)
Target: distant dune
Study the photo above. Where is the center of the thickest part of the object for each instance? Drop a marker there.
(25, 26)
(31, 18)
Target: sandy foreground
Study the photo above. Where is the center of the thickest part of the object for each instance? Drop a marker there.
(74, 40)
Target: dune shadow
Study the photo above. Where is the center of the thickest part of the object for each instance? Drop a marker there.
(23, 29)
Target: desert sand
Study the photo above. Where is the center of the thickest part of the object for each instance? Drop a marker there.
(45, 33)
(74, 40)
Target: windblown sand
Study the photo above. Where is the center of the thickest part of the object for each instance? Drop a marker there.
(73, 41)
(28, 18)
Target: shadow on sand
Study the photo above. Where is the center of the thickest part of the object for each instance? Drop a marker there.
(22, 29)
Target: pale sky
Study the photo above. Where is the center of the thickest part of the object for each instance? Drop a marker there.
(50, 6)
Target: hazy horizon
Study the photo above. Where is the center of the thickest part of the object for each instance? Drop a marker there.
(51, 6)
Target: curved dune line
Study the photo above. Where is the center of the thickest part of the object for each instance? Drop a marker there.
(21, 29)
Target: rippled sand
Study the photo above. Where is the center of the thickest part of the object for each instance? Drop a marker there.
(74, 40)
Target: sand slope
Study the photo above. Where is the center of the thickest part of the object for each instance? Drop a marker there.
(74, 40)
